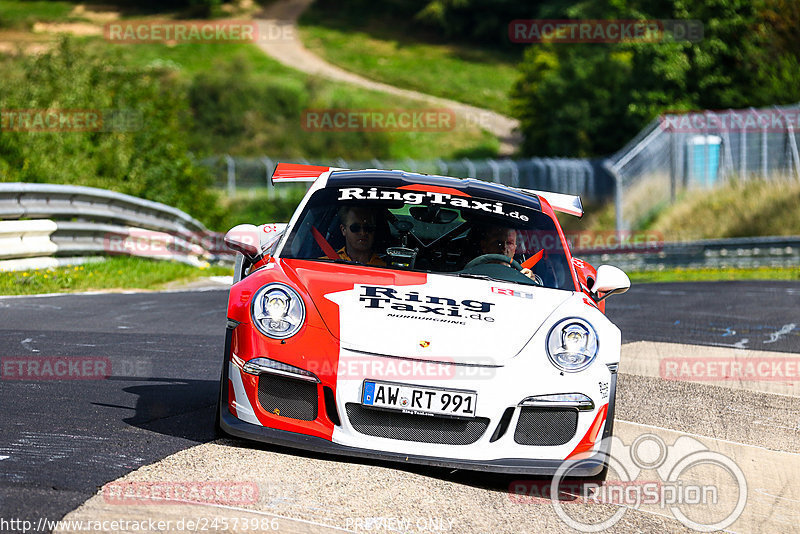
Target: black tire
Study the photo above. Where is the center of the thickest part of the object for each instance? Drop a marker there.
(223, 387)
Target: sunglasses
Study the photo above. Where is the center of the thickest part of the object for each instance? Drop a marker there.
(356, 228)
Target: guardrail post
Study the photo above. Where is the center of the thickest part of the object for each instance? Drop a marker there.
(620, 222)
(231, 175)
(470, 167)
(269, 166)
(764, 165)
(495, 170)
(673, 174)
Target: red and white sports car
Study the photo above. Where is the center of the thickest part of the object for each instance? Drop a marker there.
(421, 319)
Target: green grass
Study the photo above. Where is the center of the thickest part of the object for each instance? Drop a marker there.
(115, 273)
(188, 60)
(705, 275)
(753, 208)
(474, 76)
(22, 15)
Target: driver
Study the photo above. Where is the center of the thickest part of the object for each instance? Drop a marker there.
(358, 228)
(501, 240)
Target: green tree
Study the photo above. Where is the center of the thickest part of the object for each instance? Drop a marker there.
(147, 157)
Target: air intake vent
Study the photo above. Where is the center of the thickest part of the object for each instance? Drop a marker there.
(546, 427)
(287, 397)
(411, 427)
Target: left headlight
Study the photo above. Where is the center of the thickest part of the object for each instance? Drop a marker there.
(278, 311)
(572, 345)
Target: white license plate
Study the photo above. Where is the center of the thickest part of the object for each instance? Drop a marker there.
(418, 399)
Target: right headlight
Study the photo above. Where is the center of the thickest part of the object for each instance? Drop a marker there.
(572, 345)
(278, 311)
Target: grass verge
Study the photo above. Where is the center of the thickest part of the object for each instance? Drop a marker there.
(22, 15)
(121, 272)
(713, 275)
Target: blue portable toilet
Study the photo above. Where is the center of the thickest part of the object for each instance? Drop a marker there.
(702, 159)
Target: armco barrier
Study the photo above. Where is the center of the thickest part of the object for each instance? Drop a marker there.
(747, 252)
(73, 222)
(39, 221)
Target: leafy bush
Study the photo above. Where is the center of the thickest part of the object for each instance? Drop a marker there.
(605, 93)
(151, 161)
(240, 110)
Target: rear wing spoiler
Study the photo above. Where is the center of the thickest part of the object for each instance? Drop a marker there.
(286, 173)
(296, 172)
(570, 204)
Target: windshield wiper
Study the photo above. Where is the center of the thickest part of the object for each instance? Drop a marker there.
(481, 277)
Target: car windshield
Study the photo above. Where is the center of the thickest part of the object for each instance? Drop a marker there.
(429, 232)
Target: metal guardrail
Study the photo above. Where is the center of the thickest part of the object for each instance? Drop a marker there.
(748, 252)
(42, 221)
(72, 222)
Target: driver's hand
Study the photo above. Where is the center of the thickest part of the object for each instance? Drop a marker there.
(535, 277)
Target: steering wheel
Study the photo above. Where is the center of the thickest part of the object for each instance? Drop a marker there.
(490, 258)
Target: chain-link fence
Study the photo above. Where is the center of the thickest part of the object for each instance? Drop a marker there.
(587, 178)
(673, 154)
(692, 151)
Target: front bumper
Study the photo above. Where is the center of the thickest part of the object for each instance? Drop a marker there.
(587, 467)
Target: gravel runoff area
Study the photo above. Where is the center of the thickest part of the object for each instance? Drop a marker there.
(291, 491)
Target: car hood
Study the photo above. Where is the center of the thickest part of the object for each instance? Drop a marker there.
(432, 317)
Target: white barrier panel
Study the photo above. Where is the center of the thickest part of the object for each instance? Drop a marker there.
(22, 239)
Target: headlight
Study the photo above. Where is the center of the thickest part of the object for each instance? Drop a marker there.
(572, 345)
(278, 311)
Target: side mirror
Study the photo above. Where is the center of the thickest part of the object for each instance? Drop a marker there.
(245, 238)
(270, 234)
(610, 281)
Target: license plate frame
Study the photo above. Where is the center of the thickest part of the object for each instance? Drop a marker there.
(428, 400)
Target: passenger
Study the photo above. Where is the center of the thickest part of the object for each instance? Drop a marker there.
(358, 228)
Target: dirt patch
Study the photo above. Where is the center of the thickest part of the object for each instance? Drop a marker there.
(97, 14)
(74, 28)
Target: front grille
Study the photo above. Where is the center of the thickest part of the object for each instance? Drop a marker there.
(288, 397)
(412, 427)
(546, 427)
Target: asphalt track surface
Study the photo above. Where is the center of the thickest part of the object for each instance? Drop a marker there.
(63, 439)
